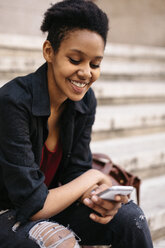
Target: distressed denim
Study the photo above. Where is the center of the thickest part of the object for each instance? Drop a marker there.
(43, 232)
(25, 236)
(11, 239)
(128, 229)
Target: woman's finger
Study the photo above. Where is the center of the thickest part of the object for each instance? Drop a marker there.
(99, 189)
(92, 205)
(105, 204)
(124, 199)
(99, 219)
(110, 211)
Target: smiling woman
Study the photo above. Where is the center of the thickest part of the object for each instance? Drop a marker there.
(46, 179)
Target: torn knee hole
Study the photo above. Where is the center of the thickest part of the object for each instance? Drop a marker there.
(50, 235)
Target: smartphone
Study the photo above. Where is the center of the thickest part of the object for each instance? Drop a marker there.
(109, 194)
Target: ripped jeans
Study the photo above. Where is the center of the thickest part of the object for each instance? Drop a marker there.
(41, 233)
(128, 229)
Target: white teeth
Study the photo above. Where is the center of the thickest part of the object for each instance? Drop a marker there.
(81, 85)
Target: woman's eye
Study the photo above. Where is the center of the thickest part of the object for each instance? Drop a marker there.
(73, 61)
(95, 66)
(77, 62)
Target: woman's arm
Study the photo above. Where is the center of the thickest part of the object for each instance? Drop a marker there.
(21, 177)
(60, 198)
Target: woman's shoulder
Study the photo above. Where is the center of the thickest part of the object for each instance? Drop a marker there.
(16, 89)
(23, 87)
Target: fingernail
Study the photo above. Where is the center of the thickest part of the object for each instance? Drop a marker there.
(117, 198)
(92, 216)
(95, 198)
(87, 201)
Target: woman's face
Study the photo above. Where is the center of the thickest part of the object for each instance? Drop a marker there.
(76, 65)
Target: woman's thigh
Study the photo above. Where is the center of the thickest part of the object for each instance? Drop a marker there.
(49, 234)
(34, 234)
(17, 239)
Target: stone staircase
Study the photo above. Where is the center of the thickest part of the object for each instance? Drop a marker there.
(130, 122)
(19, 55)
(130, 118)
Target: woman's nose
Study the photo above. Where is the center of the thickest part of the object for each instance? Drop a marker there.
(85, 72)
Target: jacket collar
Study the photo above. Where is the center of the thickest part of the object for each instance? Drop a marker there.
(81, 107)
(41, 101)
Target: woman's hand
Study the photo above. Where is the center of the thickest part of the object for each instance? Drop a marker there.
(106, 209)
(103, 180)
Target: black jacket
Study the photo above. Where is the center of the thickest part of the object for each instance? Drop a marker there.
(24, 111)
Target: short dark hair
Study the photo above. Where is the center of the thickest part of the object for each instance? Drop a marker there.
(69, 15)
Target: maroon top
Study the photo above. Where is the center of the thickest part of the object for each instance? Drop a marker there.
(50, 161)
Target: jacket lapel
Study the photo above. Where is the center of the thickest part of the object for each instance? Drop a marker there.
(67, 129)
(73, 122)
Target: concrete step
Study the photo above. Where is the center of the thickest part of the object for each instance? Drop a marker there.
(141, 155)
(134, 52)
(121, 70)
(128, 92)
(21, 42)
(160, 243)
(133, 62)
(24, 60)
(122, 120)
(21, 54)
(153, 202)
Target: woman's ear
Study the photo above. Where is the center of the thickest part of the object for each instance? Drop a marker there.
(48, 51)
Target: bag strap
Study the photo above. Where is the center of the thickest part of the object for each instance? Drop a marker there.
(101, 157)
(104, 161)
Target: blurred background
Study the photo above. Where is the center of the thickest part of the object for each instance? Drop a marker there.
(130, 118)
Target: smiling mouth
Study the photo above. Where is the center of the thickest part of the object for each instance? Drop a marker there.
(78, 84)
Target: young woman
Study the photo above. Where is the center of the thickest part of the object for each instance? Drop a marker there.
(46, 180)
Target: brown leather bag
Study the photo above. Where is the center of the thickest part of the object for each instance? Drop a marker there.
(117, 174)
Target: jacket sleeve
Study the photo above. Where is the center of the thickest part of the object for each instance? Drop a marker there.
(22, 177)
(81, 157)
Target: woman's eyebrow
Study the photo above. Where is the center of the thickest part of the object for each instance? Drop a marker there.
(80, 52)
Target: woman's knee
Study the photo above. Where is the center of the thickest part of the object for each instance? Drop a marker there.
(49, 235)
(131, 215)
